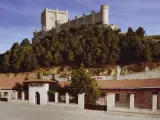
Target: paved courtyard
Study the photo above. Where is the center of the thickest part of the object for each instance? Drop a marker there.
(12, 111)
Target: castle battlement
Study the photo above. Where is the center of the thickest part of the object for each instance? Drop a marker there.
(65, 23)
(104, 6)
(57, 20)
(73, 20)
(54, 10)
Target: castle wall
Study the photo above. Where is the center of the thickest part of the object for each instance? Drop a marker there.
(92, 18)
(71, 24)
(42, 34)
(79, 22)
(97, 17)
(88, 20)
(58, 20)
(65, 26)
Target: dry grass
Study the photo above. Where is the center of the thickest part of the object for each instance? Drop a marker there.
(107, 70)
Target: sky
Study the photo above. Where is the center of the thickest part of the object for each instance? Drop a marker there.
(19, 18)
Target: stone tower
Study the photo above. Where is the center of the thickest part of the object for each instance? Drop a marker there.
(105, 14)
(49, 18)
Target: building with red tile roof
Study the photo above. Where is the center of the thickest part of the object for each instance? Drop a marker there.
(9, 82)
(128, 94)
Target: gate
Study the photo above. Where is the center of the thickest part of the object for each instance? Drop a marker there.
(100, 104)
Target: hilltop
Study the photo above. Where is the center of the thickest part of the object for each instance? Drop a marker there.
(96, 46)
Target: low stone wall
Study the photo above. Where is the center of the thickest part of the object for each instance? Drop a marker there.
(139, 75)
(62, 104)
(57, 78)
(135, 110)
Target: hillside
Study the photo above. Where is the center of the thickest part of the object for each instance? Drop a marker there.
(95, 46)
(153, 37)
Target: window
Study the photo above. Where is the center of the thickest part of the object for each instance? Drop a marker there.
(117, 97)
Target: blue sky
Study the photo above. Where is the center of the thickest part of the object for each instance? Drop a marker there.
(19, 18)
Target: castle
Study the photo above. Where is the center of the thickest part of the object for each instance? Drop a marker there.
(53, 21)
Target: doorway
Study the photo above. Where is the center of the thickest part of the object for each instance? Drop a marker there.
(37, 98)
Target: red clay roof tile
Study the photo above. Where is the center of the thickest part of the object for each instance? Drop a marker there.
(128, 84)
(9, 82)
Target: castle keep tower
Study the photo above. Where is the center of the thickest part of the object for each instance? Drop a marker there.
(49, 18)
(105, 14)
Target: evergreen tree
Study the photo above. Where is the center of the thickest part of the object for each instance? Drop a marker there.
(15, 46)
(140, 32)
(89, 60)
(103, 59)
(57, 58)
(18, 87)
(25, 42)
(70, 55)
(94, 45)
(147, 53)
(130, 34)
(81, 82)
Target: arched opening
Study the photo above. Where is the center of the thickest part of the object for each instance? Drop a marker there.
(37, 98)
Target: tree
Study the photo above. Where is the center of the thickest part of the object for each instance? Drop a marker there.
(147, 53)
(5, 63)
(30, 63)
(156, 51)
(130, 34)
(15, 46)
(130, 30)
(103, 59)
(47, 58)
(18, 87)
(140, 32)
(94, 45)
(81, 82)
(46, 43)
(70, 55)
(57, 58)
(89, 59)
(25, 42)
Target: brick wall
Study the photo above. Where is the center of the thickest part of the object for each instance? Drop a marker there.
(122, 100)
(143, 100)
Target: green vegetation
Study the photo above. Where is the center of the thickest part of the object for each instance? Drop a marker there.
(81, 82)
(20, 87)
(92, 45)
